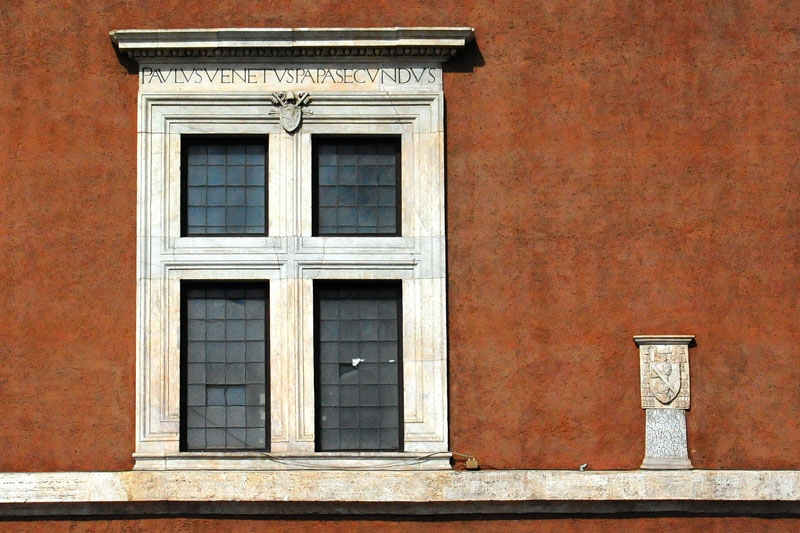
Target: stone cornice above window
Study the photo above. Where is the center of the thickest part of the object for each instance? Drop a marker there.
(437, 44)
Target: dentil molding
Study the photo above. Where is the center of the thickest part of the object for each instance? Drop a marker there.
(435, 44)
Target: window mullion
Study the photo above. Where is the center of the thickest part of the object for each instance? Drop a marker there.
(287, 369)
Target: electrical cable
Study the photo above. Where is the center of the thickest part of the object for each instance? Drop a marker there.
(301, 464)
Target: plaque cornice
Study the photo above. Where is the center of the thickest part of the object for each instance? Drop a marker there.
(647, 340)
(432, 44)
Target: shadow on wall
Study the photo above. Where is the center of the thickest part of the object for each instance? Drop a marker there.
(467, 59)
(130, 65)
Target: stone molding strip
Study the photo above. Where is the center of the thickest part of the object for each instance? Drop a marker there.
(648, 340)
(435, 44)
(382, 492)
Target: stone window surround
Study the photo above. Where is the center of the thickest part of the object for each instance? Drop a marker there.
(290, 257)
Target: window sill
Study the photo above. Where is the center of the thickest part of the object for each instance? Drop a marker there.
(261, 461)
(394, 493)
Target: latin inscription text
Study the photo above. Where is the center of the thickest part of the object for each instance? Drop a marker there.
(197, 76)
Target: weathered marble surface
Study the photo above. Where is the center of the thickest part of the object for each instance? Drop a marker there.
(290, 492)
(665, 440)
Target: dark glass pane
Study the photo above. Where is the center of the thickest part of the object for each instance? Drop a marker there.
(358, 365)
(224, 186)
(354, 177)
(224, 400)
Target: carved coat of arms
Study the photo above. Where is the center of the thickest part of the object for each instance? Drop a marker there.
(291, 108)
(664, 371)
(665, 380)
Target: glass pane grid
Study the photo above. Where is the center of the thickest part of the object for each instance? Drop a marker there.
(357, 186)
(225, 187)
(225, 367)
(358, 368)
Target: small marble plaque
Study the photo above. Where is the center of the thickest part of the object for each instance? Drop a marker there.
(665, 440)
(664, 381)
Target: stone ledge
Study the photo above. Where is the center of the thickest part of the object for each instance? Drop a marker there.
(384, 492)
(332, 44)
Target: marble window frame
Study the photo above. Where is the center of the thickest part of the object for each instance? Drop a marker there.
(290, 258)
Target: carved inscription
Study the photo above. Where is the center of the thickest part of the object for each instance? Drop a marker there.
(288, 76)
(665, 434)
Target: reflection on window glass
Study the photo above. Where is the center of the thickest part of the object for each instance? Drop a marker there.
(224, 186)
(358, 366)
(225, 339)
(356, 186)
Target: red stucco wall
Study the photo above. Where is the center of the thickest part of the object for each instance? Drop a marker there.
(613, 168)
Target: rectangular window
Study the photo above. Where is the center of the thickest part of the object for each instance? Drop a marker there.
(356, 186)
(213, 158)
(358, 365)
(224, 185)
(224, 366)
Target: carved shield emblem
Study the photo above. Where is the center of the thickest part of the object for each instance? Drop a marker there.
(291, 115)
(291, 108)
(665, 380)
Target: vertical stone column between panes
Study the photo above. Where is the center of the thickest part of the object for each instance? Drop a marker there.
(291, 362)
(306, 414)
(303, 193)
(282, 182)
(280, 368)
(287, 301)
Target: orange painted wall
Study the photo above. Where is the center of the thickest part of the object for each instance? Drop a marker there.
(613, 168)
